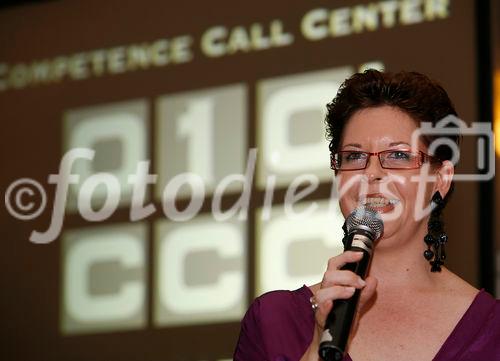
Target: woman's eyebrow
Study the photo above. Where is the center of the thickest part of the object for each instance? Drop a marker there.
(398, 143)
(356, 145)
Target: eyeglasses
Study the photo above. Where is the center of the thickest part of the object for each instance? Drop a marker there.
(389, 159)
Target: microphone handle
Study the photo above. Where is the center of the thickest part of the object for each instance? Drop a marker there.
(339, 321)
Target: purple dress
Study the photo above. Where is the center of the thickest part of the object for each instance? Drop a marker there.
(279, 325)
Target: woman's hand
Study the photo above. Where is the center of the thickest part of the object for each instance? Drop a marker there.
(341, 284)
(337, 284)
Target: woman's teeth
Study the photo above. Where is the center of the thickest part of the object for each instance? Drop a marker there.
(379, 202)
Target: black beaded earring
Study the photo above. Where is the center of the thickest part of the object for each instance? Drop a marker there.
(346, 236)
(436, 237)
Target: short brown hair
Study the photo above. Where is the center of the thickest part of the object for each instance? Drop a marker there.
(422, 98)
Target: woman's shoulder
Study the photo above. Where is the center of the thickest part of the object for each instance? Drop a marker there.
(280, 303)
(278, 325)
(477, 334)
(490, 305)
(479, 301)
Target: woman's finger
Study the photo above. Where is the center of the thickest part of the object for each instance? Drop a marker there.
(347, 257)
(368, 292)
(324, 298)
(343, 278)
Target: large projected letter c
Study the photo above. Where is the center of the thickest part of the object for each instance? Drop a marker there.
(280, 155)
(181, 298)
(275, 267)
(85, 307)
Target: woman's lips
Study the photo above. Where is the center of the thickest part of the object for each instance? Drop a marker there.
(379, 202)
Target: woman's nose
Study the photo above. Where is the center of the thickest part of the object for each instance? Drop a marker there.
(374, 170)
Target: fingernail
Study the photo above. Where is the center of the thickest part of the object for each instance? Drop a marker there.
(361, 282)
(350, 289)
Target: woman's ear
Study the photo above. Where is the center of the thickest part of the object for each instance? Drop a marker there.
(444, 176)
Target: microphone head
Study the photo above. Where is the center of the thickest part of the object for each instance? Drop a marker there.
(365, 217)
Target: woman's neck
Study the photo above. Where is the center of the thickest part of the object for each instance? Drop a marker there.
(403, 264)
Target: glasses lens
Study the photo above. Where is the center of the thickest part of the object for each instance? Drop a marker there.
(350, 160)
(400, 159)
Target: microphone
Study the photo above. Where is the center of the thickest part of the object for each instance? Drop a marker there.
(364, 227)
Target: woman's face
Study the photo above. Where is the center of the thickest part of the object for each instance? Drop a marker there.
(392, 192)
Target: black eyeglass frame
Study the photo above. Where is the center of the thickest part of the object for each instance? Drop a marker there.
(424, 157)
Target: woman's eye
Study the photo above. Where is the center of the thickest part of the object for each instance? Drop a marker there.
(354, 156)
(400, 155)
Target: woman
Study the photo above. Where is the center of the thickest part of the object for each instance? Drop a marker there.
(409, 309)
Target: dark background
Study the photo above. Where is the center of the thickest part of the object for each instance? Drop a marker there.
(455, 51)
